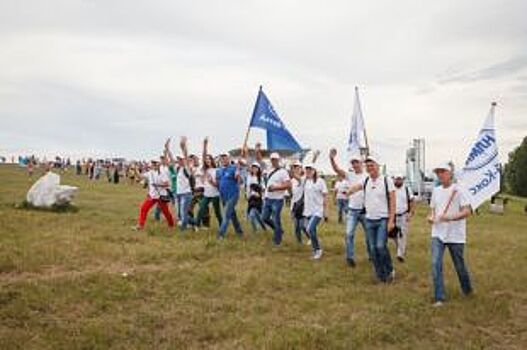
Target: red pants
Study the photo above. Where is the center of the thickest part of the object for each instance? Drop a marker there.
(148, 204)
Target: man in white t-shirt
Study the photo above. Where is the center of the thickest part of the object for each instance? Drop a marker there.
(277, 182)
(341, 188)
(379, 203)
(449, 208)
(404, 211)
(355, 203)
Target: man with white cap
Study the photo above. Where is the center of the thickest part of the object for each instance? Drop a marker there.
(449, 208)
(379, 203)
(277, 182)
(404, 211)
(355, 203)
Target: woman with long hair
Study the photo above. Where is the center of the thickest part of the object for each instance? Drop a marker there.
(211, 193)
(254, 192)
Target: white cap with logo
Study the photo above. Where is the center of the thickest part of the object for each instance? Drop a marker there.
(274, 155)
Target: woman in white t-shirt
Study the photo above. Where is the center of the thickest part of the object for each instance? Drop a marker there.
(297, 201)
(211, 194)
(315, 206)
(449, 208)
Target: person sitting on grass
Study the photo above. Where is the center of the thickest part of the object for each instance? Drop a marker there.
(449, 208)
(158, 183)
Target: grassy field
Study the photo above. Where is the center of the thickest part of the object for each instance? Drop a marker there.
(62, 283)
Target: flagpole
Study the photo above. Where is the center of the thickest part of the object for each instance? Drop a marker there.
(363, 122)
(249, 127)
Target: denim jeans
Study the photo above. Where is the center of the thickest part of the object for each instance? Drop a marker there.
(456, 253)
(300, 226)
(342, 208)
(229, 214)
(377, 231)
(271, 213)
(255, 219)
(184, 200)
(312, 223)
(355, 216)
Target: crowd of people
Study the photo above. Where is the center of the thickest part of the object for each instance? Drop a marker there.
(381, 204)
(190, 191)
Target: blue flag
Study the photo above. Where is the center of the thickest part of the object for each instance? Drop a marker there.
(265, 117)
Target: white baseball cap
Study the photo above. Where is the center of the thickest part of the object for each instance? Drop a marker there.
(297, 163)
(274, 155)
(372, 159)
(355, 157)
(256, 164)
(398, 176)
(443, 166)
(310, 165)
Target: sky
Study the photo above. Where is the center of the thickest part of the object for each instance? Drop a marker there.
(117, 77)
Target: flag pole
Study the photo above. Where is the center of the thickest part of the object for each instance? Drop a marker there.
(249, 127)
(363, 122)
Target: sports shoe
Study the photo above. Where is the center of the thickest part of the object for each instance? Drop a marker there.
(317, 255)
(351, 262)
(438, 303)
(136, 228)
(400, 258)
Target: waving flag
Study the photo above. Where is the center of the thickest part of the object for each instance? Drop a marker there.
(265, 117)
(357, 143)
(481, 175)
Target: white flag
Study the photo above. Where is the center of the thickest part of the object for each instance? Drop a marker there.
(481, 176)
(357, 138)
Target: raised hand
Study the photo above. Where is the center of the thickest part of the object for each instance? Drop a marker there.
(167, 143)
(333, 153)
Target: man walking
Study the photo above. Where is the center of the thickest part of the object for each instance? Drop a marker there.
(355, 203)
(449, 208)
(277, 182)
(404, 211)
(379, 202)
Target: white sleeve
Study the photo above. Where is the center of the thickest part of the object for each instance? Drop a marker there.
(391, 186)
(433, 199)
(323, 187)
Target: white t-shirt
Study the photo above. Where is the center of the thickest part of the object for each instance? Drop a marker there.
(297, 190)
(277, 178)
(356, 200)
(375, 198)
(341, 189)
(251, 179)
(156, 178)
(183, 182)
(452, 231)
(401, 200)
(210, 190)
(200, 178)
(314, 197)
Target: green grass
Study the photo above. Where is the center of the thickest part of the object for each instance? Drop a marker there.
(61, 283)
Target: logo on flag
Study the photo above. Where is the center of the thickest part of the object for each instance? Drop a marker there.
(481, 174)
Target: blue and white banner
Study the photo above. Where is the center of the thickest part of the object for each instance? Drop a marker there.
(481, 175)
(265, 117)
(357, 138)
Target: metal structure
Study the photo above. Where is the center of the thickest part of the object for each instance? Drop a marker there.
(415, 168)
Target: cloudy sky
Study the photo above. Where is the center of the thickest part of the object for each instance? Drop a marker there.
(117, 77)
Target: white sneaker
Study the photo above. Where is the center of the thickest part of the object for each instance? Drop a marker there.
(317, 255)
(438, 303)
(392, 275)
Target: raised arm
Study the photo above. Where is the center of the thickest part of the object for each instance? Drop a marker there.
(258, 152)
(167, 153)
(205, 150)
(315, 156)
(334, 165)
(184, 149)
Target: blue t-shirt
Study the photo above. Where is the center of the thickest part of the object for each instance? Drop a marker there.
(228, 184)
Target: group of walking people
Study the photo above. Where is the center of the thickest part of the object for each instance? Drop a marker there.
(382, 205)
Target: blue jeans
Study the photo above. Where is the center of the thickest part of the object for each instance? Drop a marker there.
(271, 213)
(300, 226)
(229, 214)
(342, 207)
(255, 219)
(312, 223)
(184, 200)
(355, 216)
(456, 253)
(377, 231)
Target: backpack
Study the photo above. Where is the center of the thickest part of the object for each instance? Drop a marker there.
(396, 231)
(191, 178)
